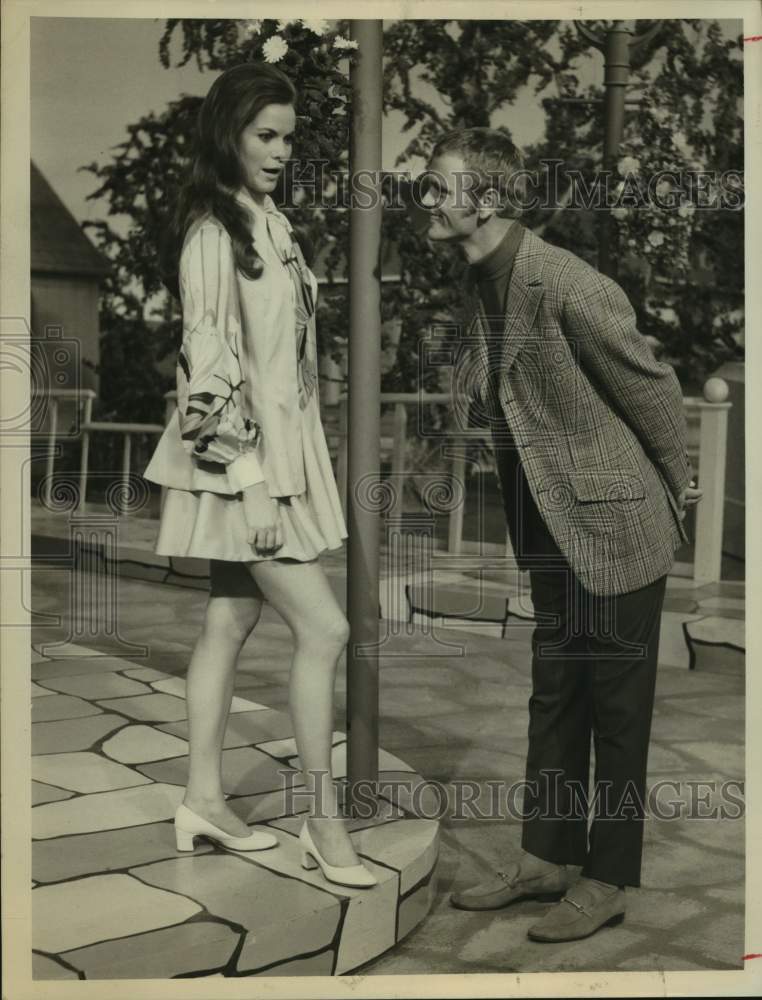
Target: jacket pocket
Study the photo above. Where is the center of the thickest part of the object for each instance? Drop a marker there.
(570, 492)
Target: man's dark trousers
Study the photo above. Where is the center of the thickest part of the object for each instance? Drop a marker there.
(593, 672)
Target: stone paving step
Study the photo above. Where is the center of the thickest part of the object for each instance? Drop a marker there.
(111, 897)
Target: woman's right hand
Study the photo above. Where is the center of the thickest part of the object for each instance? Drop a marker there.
(263, 522)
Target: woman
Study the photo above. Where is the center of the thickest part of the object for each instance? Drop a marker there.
(244, 458)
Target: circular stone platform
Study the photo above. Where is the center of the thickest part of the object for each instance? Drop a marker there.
(111, 896)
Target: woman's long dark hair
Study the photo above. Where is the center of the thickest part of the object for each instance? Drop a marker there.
(235, 98)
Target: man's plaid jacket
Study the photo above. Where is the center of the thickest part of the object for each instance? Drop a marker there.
(598, 421)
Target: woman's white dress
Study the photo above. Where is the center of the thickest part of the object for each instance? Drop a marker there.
(256, 337)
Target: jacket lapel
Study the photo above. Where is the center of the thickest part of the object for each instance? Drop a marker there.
(525, 292)
(524, 295)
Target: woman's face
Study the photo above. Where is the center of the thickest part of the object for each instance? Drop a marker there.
(265, 146)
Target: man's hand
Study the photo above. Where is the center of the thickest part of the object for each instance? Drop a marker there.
(262, 519)
(689, 497)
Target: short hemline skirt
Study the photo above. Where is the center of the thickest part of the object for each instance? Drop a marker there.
(199, 524)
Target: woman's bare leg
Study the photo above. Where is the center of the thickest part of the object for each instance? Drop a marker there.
(301, 594)
(228, 622)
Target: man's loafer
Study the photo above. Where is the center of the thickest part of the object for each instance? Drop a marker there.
(509, 887)
(586, 907)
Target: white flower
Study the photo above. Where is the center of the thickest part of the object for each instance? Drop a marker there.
(628, 165)
(686, 211)
(632, 242)
(316, 27)
(252, 27)
(620, 213)
(733, 317)
(663, 188)
(660, 115)
(282, 25)
(680, 139)
(667, 316)
(274, 49)
(340, 42)
(655, 238)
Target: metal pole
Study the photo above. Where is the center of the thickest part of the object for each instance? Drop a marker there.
(364, 407)
(616, 54)
(616, 45)
(341, 455)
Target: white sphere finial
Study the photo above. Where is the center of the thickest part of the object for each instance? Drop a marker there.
(716, 390)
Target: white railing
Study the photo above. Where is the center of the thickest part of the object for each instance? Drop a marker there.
(709, 463)
(83, 399)
(708, 453)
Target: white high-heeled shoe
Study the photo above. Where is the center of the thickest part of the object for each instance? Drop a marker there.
(354, 876)
(189, 825)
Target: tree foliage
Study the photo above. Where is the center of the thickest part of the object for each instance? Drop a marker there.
(682, 265)
(687, 290)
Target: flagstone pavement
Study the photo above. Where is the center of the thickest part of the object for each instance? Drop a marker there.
(109, 739)
(112, 898)
(109, 744)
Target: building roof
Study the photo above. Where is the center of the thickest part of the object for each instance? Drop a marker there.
(59, 245)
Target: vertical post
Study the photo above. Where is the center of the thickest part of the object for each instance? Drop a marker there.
(707, 563)
(50, 463)
(84, 458)
(126, 453)
(364, 407)
(616, 53)
(460, 420)
(455, 520)
(399, 451)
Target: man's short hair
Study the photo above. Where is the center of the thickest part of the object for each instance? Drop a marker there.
(491, 156)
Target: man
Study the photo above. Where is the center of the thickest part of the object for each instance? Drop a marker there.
(590, 444)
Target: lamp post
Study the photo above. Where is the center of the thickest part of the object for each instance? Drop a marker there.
(617, 43)
(364, 413)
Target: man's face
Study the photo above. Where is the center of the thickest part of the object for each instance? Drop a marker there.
(447, 199)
